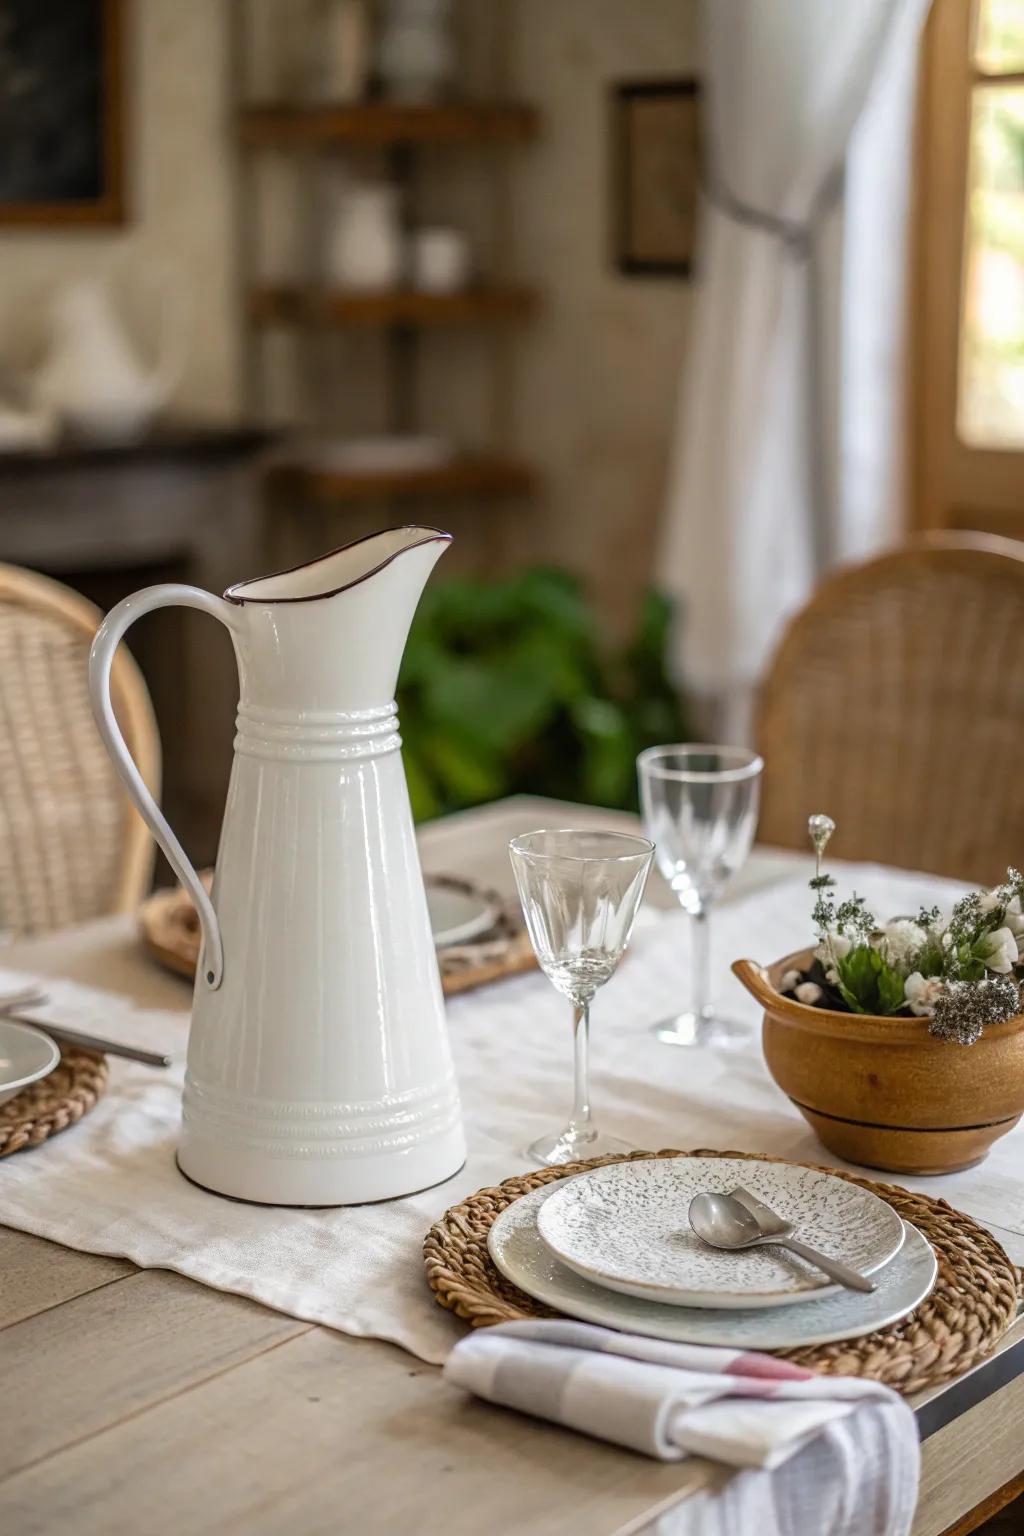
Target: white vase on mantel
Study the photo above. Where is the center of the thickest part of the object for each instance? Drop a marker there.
(416, 58)
(92, 378)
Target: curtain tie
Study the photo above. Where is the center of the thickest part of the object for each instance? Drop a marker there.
(797, 238)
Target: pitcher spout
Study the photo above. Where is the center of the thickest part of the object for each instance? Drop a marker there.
(344, 568)
(328, 636)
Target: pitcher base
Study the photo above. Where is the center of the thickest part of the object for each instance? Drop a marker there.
(265, 1180)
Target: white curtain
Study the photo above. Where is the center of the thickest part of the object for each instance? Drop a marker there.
(787, 451)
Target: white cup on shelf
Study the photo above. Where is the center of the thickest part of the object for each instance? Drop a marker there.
(439, 259)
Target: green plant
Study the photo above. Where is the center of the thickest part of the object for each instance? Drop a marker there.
(507, 687)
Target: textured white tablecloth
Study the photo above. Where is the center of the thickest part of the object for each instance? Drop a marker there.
(110, 1184)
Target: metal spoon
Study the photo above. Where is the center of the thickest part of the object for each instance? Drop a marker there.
(64, 1035)
(722, 1222)
(11, 1004)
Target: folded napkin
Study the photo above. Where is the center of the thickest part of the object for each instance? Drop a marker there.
(747, 1410)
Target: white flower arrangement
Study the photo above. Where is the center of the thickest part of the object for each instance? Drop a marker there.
(962, 972)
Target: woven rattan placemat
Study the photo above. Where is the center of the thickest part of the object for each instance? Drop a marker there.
(53, 1103)
(170, 931)
(973, 1303)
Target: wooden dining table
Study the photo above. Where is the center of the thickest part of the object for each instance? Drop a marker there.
(140, 1400)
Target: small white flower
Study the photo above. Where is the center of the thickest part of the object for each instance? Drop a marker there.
(1014, 918)
(808, 992)
(921, 993)
(840, 946)
(900, 941)
(790, 981)
(998, 950)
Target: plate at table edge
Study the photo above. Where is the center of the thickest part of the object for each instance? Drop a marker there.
(457, 916)
(624, 1259)
(28, 1052)
(519, 1253)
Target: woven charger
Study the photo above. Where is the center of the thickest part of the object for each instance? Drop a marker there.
(170, 931)
(60, 1099)
(972, 1304)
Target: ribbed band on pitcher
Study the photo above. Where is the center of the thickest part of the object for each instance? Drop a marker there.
(316, 735)
(309, 1130)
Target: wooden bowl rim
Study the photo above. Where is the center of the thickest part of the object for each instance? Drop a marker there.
(872, 1025)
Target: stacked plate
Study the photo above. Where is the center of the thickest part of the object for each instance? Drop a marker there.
(614, 1246)
(459, 913)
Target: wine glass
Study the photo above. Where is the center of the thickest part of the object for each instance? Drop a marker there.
(580, 893)
(700, 809)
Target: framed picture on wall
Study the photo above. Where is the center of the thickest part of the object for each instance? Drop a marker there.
(61, 112)
(656, 175)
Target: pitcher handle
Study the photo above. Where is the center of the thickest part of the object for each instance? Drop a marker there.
(108, 637)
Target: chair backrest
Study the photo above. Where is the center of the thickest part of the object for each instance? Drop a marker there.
(895, 703)
(71, 847)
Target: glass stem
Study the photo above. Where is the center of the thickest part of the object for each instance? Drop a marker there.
(700, 958)
(580, 1119)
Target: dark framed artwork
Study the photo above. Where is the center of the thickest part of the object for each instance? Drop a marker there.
(61, 112)
(656, 174)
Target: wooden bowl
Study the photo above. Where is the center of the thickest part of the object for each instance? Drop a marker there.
(884, 1092)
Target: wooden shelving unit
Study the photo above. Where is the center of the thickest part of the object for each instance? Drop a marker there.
(469, 475)
(281, 304)
(390, 139)
(276, 126)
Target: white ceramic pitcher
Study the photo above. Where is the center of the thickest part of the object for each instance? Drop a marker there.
(319, 1070)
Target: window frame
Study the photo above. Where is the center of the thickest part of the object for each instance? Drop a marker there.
(957, 484)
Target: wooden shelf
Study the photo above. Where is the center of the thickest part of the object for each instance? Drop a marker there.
(279, 304)
(472, 474)
(279, 126)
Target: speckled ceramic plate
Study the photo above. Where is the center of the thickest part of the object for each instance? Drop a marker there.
(516, 1247)
(626, 1227)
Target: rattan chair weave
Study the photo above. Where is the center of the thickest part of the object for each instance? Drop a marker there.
(70, 846)
(895, 703)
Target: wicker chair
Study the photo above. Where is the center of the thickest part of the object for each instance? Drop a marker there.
(71, 848)
(895, 703)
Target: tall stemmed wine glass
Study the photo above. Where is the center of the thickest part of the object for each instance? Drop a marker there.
(580, 893)
(700, 808)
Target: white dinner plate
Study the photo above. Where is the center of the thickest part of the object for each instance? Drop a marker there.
(626, 1227)
(26, 1055)
(519, 1252)
(458, 916)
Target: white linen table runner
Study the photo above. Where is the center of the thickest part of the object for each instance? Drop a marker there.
(110, 1185)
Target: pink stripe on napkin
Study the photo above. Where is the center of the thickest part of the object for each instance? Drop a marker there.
(765, 1366)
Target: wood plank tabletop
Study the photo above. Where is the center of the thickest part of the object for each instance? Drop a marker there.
(141, 1389)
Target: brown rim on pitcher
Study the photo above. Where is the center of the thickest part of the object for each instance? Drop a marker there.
(235, 593)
